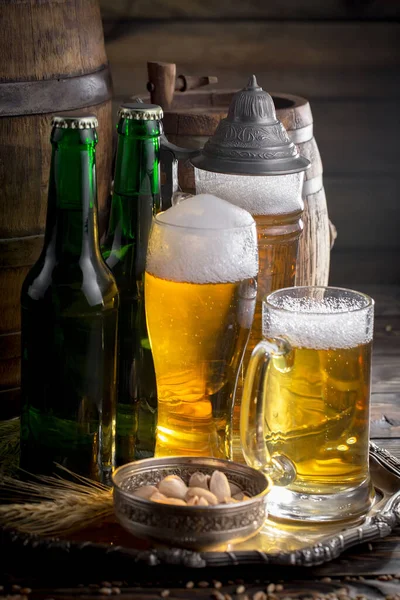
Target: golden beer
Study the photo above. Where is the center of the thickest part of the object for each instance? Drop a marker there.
(278, 241)
(305, 409)
(276, 204)
(200, 297)
(318, 415)
(197, 336)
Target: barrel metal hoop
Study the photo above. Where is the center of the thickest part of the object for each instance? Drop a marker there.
(20, 98)
(312, 186)
(299, 136)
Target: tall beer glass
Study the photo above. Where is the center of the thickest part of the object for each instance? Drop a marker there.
(200, 293)
(306, 402)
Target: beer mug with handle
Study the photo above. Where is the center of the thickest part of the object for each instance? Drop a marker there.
(305, 410)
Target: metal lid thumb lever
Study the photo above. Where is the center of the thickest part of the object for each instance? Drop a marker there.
(170, 154)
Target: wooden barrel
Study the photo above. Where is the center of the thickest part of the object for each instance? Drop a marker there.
(315, 242)
(52, 60)
(194, 116)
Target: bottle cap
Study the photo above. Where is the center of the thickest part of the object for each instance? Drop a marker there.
(75, 122)
(251, 140)
(141, 112)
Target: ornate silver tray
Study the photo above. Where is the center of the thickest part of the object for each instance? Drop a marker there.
(109, 546)
(303, 545)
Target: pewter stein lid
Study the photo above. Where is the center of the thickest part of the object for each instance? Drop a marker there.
(251, 140)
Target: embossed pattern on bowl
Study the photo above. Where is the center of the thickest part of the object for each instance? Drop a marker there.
(196, 527)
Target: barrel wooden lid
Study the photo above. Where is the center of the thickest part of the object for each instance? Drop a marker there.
(198, 112)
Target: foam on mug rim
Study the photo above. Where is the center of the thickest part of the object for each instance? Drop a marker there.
(218, 253)
(323, 324)
(262, 196)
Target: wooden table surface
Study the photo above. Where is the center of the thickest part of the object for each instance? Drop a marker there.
(367, 571)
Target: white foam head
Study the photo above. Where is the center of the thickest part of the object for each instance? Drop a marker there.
(203, 239)
(320, 318)
(261, 195)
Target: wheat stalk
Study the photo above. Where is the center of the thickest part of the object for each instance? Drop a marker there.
(54, 505)
(9, 445)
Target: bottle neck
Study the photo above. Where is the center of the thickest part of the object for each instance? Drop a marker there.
(71, 229)
(136, 195)
(137, 168)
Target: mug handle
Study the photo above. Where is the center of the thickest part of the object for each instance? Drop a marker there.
(253, 425)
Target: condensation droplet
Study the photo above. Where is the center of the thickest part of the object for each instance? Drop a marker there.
(351, 440)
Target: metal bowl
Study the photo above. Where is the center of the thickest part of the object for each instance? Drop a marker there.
(195, 527)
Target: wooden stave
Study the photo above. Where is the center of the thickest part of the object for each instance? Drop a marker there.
(48, 25)
(25, 149)
(313, 268)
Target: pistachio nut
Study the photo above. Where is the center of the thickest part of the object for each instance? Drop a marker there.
(199, 480)
(173, 487)
(219, 485)
(145, 491)
(202, 493)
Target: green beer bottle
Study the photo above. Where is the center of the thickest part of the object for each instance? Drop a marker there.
(69, 321)
(136, 198)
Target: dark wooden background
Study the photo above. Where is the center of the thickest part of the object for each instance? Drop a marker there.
(343, 55)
